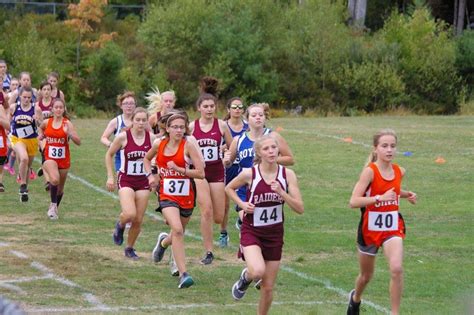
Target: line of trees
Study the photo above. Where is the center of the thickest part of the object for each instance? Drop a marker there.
(287, 53)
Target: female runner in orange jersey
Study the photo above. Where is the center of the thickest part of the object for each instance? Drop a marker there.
(377, 194)
(56, 131)
(175, 152)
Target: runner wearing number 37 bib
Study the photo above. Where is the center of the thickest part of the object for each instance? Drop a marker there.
(270, 185)
(378, 193)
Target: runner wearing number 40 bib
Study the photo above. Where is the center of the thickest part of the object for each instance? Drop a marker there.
(378, 193)
(261, 235)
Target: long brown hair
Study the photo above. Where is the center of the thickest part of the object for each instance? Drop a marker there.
(208, 87)
(375, 141)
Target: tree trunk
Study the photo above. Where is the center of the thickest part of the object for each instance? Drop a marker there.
(357, 10)
(460, 19)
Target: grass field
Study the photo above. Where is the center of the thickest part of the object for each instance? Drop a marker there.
(71, 265)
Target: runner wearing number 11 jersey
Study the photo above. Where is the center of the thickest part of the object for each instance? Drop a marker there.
(377, 193)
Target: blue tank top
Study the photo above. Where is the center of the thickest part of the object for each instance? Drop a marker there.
(119, 158)
(237, 133)
(245, 152)
(23, 123)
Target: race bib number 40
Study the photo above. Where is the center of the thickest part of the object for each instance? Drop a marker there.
(210, 153)
(24, 132)
(383, 221)
(176, 186)
(135, 168)
(263, 216)
(57, 152)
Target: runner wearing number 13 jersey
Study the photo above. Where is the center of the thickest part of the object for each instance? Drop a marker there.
(377, 193)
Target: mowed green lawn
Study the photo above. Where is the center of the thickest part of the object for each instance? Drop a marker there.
(87, 272)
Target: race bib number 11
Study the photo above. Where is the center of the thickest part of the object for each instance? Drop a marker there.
(383, 221)
(135, 168)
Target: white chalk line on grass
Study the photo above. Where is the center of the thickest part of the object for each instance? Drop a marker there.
(327, 284)
(322, 135)
(170, 307)
(47, 274)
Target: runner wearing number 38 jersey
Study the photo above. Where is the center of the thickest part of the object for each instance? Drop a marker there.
(377, 193)
(270, 185)
(56, 132)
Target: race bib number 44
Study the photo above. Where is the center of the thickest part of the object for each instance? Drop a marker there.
(383, 221)
(263, 216)
(176, 186)
(210, 153)
(57, 152)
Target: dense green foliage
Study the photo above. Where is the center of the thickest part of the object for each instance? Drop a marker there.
(281, 52)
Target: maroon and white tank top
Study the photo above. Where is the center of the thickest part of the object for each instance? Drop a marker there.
(209, 142)
(133, 154)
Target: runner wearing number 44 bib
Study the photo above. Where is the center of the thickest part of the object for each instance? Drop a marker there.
(261, 235)
(56, 132)
(378, 193)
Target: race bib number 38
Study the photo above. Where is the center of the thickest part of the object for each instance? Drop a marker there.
(57, 152)
(383, 221)
(210, 153)
(176, 186)
(263, 216)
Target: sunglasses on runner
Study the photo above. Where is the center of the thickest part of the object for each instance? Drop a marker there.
(237, 106)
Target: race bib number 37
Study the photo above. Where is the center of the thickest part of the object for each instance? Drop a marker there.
(176, 186)
(383, 221)
(263, 216)
(57, 152)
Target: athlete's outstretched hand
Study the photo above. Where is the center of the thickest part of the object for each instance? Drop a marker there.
(389, 195)
(110, 184)
(276, 187)
(411, 197)
(248, 207)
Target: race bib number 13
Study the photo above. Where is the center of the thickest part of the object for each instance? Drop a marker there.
(210, 153)
(383, 221)
(267, 215)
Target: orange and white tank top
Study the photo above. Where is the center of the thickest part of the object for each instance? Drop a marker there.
(175, 186)
(57, 144)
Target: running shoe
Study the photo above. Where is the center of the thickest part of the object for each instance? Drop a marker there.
(23, 193)
(40, 172)
(223, 240)
(207, 260)
(118, 234)
(238, 223)
(239, 287)
(353, 307)
(2, 188)
(258, 284)
(130, 253)
(9, 169)
(173, 268)
(159, 250)
(32, 174)
(185, 281)
(53, 211)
